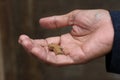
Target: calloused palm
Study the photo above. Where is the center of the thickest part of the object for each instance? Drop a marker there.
(91, 37)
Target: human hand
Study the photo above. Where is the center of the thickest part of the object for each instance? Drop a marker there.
(91, 37)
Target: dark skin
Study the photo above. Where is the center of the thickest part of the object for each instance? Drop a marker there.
(91, 37)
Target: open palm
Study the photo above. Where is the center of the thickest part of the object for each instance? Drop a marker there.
(90, 37)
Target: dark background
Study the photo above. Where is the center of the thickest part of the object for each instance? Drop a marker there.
(21, 17)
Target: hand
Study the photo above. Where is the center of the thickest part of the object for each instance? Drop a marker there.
(91, 37)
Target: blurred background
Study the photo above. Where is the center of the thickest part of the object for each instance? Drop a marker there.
(21, 17)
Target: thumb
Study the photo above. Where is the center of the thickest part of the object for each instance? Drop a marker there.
(58, 21)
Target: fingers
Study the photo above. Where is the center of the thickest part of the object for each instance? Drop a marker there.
(55, 40)
(38, 48)
(34, 47)
(26, 42)
(59, 21)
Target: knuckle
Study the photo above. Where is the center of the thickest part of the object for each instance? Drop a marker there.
(72, 16)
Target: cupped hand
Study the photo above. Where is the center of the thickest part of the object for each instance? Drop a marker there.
(91, 37)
